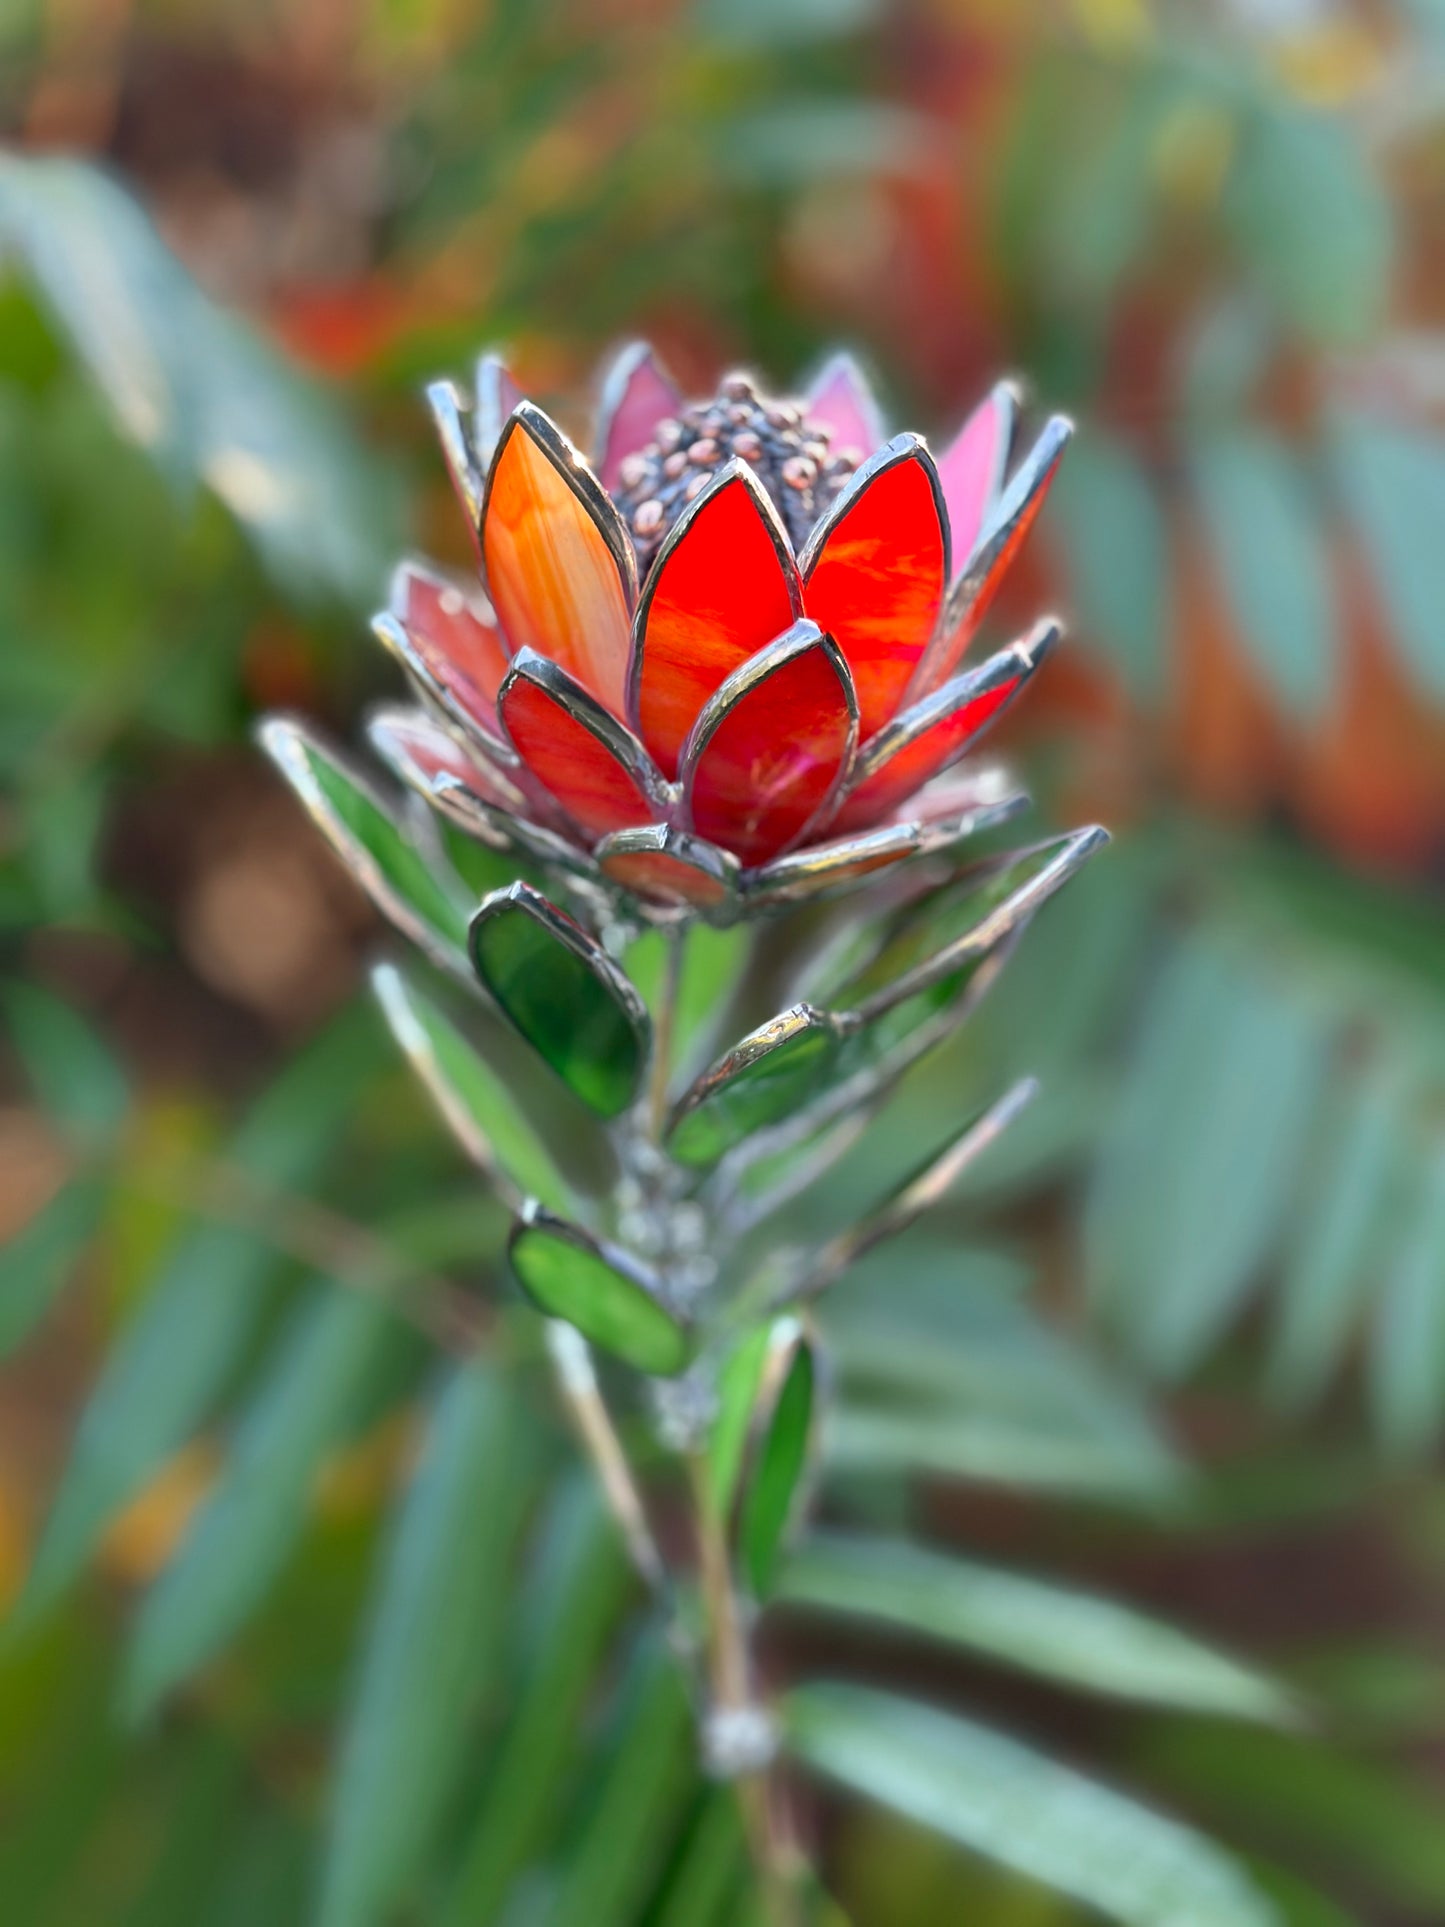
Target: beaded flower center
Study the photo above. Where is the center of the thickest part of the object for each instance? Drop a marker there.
(792, 456)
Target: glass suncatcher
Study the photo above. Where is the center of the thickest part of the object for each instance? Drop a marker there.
(714, 681)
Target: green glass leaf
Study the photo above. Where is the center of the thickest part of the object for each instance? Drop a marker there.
(489, 1125)
(772, 1072)
(781, 1457)
(1000, 1798)
(432, 1646)
(564, 994)
(611, 1299)
(738, 1382)
(1093, 1644)
(931, 951)
(238, 1542)
(374, 843)
(874, 1003)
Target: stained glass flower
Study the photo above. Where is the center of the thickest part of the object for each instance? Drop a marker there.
(720, 666)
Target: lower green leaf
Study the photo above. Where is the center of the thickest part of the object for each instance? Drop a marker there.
(606, 1294)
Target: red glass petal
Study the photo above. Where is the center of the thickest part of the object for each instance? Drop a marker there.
(455, 640)
(769, 749)
(971, 470)
(841, 397)
(723, 586)
(935, 732)
(875, 570)
(985, 569)
(636, 395)
(669, 867)
(578, 751)
(420, 752)
(558, 560)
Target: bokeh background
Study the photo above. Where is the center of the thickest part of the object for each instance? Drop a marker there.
(1202, 1364)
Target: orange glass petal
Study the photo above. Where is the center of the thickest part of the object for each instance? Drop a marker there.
(723, 587)
(970, 596)
(875, 580)
(572, 762)
(456, 642)
(763, 765)
(667, 874)
(559, 583)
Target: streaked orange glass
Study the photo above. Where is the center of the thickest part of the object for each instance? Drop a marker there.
(877, 586)
(719, 597)
(554, 581)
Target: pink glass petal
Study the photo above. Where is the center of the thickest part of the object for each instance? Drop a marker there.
(454, 431)
(557, 558)
(497, 397)
(841, 398)
(421, 753)
(723, 586)
(993, 554)
(768, 751)
(971, 470)
(875, 571)
(670, 868)
(917, 745)
(455, 638)
(595, 769)
(637, 394)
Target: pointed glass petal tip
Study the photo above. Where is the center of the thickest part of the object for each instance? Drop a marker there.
(637, 394)
(841, 396)
(372, 841)
(557, 558)
(615, 1302)
(564, 994)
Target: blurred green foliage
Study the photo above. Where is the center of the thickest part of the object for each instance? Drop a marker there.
(1185, 1341)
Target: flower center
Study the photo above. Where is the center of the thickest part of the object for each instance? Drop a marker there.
(791, 455)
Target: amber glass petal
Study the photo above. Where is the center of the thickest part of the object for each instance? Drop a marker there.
(454, 431)
(564, 994)
(456, 650)
(771, 1073)
(875, 570)
(637, 393)
(767, 753)
(971, 469)
(993, 554)
(921, 742)
(841, 397)
(724, 584)
(671, 869)
(595, 769)
(558, 561)
(611, 1299)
